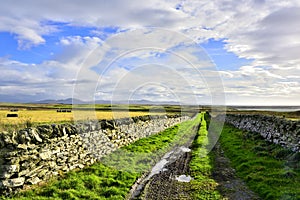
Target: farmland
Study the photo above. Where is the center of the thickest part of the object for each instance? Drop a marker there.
(51, 116)
(34, 114)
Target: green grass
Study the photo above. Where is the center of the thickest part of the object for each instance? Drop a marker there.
(269, 170)
(114, 176)
(203, 186)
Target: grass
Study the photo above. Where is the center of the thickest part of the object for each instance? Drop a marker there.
(94, 182)
(268, 169)
(114, 176)
(203, 186)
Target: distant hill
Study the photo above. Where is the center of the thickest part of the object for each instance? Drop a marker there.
(61, 101)
(146, 102)
(78, 101)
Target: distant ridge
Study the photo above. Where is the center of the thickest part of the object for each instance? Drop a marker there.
(78, 101)
(61, 101)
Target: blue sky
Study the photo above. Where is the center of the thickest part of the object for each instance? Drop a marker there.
(205, 52)
(223, 59)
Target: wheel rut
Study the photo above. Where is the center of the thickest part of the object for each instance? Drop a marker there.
(165, 184)
(229, 185)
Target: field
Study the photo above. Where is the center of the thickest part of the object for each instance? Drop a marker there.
(51, 116)
(34, 114)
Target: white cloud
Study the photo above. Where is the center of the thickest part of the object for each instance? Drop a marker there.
(51, 78)
(265, 31)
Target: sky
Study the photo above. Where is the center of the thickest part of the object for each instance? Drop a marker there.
(194, 52)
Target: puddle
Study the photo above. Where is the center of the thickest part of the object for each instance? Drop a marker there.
(158, 168)
(185, 149)
(167, 155)
(184, 178)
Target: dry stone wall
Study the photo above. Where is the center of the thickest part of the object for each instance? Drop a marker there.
(274, 129)
(34, 154)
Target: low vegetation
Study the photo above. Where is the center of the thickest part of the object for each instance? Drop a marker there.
(203, 186)
(268, 169)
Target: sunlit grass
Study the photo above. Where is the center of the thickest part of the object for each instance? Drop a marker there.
(203, 186)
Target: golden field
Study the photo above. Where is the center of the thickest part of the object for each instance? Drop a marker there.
(26, 117)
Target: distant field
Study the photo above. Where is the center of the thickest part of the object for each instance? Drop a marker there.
(32, 117)
(32, 114)
(53, 116)
(293, 115)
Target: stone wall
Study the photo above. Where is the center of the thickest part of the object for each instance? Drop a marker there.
(34, 154)
(274, 129)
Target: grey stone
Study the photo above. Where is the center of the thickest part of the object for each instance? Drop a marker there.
(6, 171)
(45, 155)
(11, 183)
(34, 180)
(34, 171)
(34, 134)
(23, 172)
(22, 146)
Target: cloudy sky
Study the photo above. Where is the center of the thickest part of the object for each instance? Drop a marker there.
(207, 51)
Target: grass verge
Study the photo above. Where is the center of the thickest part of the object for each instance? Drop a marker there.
(203, 186)
(114, 176)
(268, 169)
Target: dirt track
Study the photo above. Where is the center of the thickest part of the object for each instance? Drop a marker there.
(165, 186)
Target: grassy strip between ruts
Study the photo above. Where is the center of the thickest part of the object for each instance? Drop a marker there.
(113, 177)
(269, 170)
(203, 186)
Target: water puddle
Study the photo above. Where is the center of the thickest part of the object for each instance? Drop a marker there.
(168, 158)
(184, 178)
(158, 168)
(185, 149)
